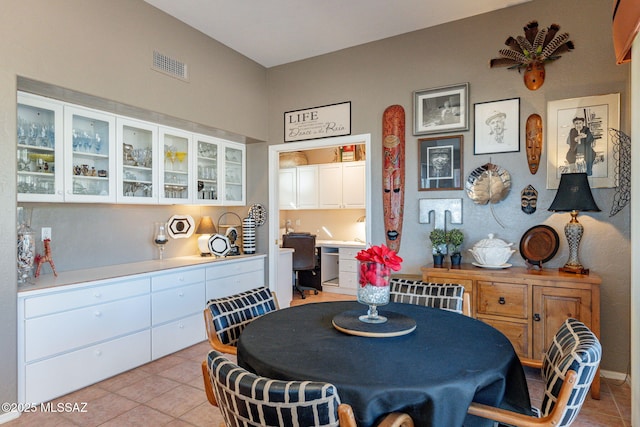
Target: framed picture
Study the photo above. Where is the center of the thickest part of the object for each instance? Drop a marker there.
(440, 163)
(497, 126)
(441, 109)
(579, 140)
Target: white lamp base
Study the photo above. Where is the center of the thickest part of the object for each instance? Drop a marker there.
(203, 244)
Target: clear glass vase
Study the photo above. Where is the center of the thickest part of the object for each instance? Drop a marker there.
(26, 245)
(160, 237)
(373, 289)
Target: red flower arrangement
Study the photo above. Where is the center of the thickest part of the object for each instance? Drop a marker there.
(376, 265)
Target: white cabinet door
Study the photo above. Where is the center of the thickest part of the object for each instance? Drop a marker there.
(330, 185)
(90, 157)
(137, 159)
(234, 174)
(208, 170)
(40, 149)
(353, 185)
(307, 186)
(288, 189)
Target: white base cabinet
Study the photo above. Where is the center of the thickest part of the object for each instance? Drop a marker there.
(73, 335)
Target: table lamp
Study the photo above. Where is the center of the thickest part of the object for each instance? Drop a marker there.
(574, 195)
(205, 229)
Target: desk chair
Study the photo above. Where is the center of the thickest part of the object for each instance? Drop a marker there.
(225, 318)
(449, 296)
(304, 257)
(246, 399)
(568, 368)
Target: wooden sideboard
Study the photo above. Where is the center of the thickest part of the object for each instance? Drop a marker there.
(527, 305)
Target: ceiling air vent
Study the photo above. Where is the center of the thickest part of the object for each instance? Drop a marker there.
(170, 66)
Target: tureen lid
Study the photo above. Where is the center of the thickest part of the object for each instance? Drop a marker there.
(492, 242)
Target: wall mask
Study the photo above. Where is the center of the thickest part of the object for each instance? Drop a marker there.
(529, 198)
(534, 142)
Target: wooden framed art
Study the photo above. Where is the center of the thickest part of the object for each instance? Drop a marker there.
(441, 109)
(497, 126)
(440, 163)
(579, 140)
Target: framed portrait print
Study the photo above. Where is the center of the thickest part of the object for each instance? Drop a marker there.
(441, 109)
(497, 126)
(579, 140)
(440, 163)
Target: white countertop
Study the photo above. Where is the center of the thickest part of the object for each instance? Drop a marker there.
(45, 281)
(340, 243)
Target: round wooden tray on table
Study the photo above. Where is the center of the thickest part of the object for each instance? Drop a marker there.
(396, 325)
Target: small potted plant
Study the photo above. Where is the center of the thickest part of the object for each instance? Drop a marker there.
(454, 239)
(438, 239)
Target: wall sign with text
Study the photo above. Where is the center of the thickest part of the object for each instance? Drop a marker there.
(318, 122)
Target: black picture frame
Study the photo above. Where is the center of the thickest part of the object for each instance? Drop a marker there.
(497, 126)
(440, 163)
(441, 109)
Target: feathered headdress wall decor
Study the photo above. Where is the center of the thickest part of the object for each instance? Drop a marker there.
(531, 52)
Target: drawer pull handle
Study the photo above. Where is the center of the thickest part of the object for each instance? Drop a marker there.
(97, 295)
(97, 313)
(181, 294)
(536, 317)
(501, 300)
(181, 326)
(98, 353)
(181, 278)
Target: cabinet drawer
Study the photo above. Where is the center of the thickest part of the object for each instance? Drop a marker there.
(174, 336)
(175, 303)
(226, 269)
(348, 265)
(348, 253)
(57, 333)
(348, 280)
(518, 334)
(180, 278)
(68, 300)
(60, 375)
(502, 299)
(225, 286)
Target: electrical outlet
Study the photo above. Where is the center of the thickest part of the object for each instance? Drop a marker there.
(46, 233)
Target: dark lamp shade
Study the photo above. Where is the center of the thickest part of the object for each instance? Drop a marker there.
(206, 226)
(574, 194)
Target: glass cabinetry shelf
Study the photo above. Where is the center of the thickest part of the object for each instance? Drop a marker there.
(207, 170)
(90, 166)
(137, 144)
(234, 174)
(176, 176)
(39, 149)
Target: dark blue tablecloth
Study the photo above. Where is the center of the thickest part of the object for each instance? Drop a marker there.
(433, 373)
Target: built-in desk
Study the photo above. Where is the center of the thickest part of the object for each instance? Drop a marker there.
(339, 268)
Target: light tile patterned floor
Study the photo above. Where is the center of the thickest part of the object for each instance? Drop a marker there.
(170, 392)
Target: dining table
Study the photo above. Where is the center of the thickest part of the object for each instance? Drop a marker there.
(432, 371)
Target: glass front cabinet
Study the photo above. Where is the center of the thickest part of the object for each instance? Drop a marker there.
(69, 153)
(90, 156)
(138, 161)
(39, 150)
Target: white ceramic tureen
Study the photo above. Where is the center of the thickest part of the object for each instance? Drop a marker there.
(491, 251)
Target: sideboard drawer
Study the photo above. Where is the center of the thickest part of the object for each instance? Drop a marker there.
(241, 282)
(518, 334)
(178, 302)
(174, 336)
(63, 374)
(503, 299)
(60, 332)
(180, 278)
(226, 269)
(68, 300)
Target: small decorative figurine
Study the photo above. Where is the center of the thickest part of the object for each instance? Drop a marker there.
(46, 258)
(529, 197)
(532, 51)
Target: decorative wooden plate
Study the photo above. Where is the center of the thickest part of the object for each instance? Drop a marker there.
(539, 244)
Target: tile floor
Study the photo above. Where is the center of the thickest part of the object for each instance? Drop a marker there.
(170, 392)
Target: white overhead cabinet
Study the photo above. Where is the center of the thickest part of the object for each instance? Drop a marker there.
(40, 150)
(68, 153)
(90, 159)
(342, 185)
(138, 161)
(299, 187)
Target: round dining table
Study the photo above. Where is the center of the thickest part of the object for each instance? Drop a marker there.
(432, 373)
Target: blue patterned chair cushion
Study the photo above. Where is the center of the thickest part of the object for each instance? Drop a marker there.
(437, 295)
(246, 399)
(576, 348)
(233, 313)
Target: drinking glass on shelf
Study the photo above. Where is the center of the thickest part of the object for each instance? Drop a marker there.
(160, 237)
(170, 154)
